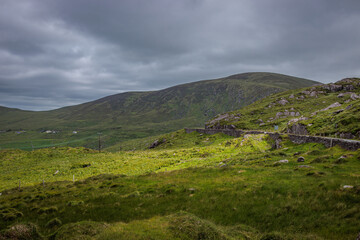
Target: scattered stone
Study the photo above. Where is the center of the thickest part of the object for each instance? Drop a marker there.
(348, 186)
(304, 166)
(332, 87)
(354, 96)
(313, 94)
(301, 159)
(57, 171)
(260, 121)
(283, 102)
(306, 92)
(296, 153)
(334, 105)
(283, 161)
(261, 124)
(224, 165)
(349, 87)
(291, 96)
(86, 165)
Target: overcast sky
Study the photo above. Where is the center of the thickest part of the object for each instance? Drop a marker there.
(55, 53)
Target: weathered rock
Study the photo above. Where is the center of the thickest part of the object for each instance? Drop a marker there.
(283, 102)
(156, 143)
(346, 135)
(298, 128)
(301, 159)
(278, 114)
(306, 92)
(304, 166)
(313, 94)
(332, 87)
(338, 111)
(348, 87)
(334, 105)
(354, 96)
(283, 161)
(348, 107)
(348, 186)
(291, 96)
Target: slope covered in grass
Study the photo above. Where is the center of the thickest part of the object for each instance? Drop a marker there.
(133, 115)
(329, 109)
(220, 188)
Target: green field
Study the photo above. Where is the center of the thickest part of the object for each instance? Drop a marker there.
(191, 187)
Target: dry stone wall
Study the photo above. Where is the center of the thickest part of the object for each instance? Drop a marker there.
(299, 139)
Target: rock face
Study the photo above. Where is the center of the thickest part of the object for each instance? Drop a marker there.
(298, 128)
(156, 143)
(301, 159)
(216, 123)
(332, 87)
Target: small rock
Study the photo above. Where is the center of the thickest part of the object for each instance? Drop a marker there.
(224, 165)
(348, 107)
(261, 124)
(313, 94)
(192, 190)
(338, 111)
(57, 171)
(283, 161)
(305, 166)
(283, 102)
(291, 96)
(348, 186)
(301, 159)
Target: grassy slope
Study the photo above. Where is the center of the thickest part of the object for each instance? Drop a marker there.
(323, 123)
(139, 114)
(194, 186)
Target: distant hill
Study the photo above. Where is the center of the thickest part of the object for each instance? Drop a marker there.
(138, 114)
(328, 110)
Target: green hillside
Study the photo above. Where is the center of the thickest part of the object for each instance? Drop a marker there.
(139, 114)
(326, 110)
(194, 186)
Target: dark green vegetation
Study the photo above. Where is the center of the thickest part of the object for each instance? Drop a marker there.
(328, 110)
(192, 186)
(134, 115)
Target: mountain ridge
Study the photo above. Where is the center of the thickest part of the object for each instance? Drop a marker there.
(140, 114)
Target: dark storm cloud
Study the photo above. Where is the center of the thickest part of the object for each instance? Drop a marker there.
(55, 53)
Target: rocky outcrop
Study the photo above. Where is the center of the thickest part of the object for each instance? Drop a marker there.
(332, 87)
(156, 143)
(298, 128)
(283, 102)
(219, 120)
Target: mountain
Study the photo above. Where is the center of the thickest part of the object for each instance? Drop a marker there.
(328, 110)
(138, 114)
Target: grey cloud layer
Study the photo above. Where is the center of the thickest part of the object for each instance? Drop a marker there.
(55, 53)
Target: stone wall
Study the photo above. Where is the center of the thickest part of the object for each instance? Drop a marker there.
(299, 139)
